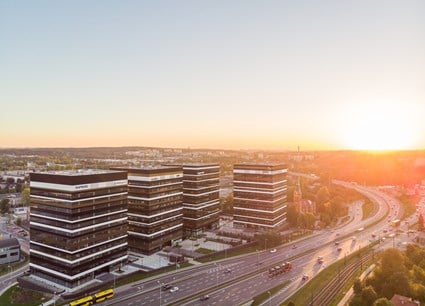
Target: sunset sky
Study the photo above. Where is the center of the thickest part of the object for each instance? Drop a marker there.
(213, 74)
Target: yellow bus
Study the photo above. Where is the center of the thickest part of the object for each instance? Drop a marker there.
(85, 301)
(103, 295)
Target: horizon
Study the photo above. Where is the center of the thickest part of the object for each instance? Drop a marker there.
(233, 75)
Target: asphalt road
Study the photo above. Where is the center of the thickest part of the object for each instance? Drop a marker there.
(210, 276)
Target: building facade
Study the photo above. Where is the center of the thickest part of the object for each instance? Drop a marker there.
(78, 225)
(10, 251)
(201, 197)
(154, 208)
(259, 195)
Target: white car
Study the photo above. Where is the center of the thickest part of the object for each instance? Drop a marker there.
(174, 289)
(273, 251)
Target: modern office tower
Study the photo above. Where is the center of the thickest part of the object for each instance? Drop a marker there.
(154, 208)
(78, 225)
(201, 198)
(259, 195)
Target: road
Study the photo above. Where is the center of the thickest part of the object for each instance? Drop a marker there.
(210, 276)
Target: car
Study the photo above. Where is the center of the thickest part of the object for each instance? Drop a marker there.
(174, 289)
(305, 277)
(227, 270)
(339, 249)
(336, 243)
(166, 286)
(273, 251)
(320, 259)
(204, 297)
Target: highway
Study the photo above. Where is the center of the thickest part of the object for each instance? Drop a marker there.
(246, 279)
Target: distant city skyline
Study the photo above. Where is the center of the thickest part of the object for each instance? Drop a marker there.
(223, 74)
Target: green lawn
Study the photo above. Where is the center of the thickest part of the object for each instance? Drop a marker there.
(204, 251)
(265, 295)
(16, 296)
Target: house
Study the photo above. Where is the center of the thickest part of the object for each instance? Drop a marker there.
(399, 300)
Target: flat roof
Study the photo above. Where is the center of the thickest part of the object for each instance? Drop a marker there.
(150, 169)
(9, 242)
(77, 172)
(260, 166)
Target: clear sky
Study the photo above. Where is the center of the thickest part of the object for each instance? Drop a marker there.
(213, 74)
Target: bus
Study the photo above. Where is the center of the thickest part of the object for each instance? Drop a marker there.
(85, 301)
(395, 222)
(103, 295)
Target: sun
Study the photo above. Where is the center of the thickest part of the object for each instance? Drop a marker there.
(378, 127)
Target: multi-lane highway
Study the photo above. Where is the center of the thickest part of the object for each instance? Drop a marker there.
(246, 279)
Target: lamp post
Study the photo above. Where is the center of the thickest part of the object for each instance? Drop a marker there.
(54, 298)
(265, 244)
(160, 285)
(216, 275)
(270, 298)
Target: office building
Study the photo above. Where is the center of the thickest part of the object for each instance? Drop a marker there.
(201, 198)
(154, 208)
(259, 195)
(78, 225)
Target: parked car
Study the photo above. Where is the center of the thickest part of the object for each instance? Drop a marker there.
(227, 270)
(305, 277)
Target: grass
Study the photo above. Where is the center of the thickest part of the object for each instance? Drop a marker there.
(204, 251)
(304, 295)
(21, 297)
(230, 253)
(4, 269)
(368, 209)
(264, 296)
(137, 277)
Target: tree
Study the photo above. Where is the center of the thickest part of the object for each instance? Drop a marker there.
(382, 302)
(357, 286)
(19, 221)
(421, 226)
(25, 196)
(290, 303)
(357, 301)
(369, 295)
(4, 206)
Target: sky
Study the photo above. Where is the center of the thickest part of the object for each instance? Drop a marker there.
(227, 74)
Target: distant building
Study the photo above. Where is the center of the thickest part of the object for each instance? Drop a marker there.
(259, 198)
(399, 300)
(10, 251)
(303, 205)
(155, 212)
(78, 225)
(201, 197)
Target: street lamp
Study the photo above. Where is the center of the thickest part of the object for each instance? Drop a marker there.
(265, 244)
(216, 275)
(54, 298)
(270, 298)
(160, 285)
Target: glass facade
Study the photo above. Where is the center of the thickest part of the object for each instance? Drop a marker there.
(259, 195)
(78, 224)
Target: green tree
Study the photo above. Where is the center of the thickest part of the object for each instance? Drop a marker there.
(19, 221)
(357, 300)
(290, 303)
(357, 286)
(369, 295)
(25, 196)
(4, 206)
(383, 302)
(421, 226)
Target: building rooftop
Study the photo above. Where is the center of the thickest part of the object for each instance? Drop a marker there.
(150, 169)
(261, 166)
(77, 172)
(9, 242)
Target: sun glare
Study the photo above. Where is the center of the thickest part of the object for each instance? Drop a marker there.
(378, 127)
